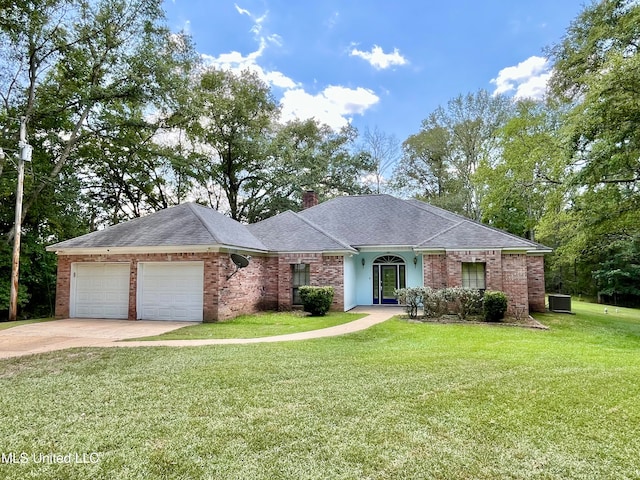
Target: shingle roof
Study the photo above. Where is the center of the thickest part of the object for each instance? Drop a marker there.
(371, 220)
(341, 224)
(383, 220)
(467, 233)
(185, 224)
(289, 232)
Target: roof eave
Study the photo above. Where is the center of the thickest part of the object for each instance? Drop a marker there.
(385, 248)
(323, 252)
(515, 250)
(149, 249)
(540, 251)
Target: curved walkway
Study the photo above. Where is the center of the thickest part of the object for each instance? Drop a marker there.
(61, 334)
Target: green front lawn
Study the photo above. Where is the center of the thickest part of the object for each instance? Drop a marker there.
(5, 325)
(259, 325)
(398, 401)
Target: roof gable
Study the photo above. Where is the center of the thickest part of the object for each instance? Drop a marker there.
(342, 224)
(467, 233)
(289, 232)
(185, 224)
(372, 220)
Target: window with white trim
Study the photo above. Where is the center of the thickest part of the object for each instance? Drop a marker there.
(300, 275)
(473, 275)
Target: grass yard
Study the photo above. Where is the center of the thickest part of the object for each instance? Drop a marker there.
(398, 401)
(5, 325)
(259, 325)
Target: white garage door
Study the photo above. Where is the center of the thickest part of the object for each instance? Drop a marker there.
(170, 291)
(99, 290)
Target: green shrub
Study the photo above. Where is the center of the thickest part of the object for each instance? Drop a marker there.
(435, 303)
(495, 305)
(411, 298)
(316, 300)
(5, 290)
(463, 301)
(459, 301)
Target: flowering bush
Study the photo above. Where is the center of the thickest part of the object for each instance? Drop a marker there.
(458, 301)
(464, 301)
(411, 298)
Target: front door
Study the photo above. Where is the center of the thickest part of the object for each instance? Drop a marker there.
(389, 283)
(387, 277)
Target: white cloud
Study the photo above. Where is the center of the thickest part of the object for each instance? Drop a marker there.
(236, 62)
(277, 79)
(534, 87)
(242, 11)
(528, 79)
(335, 105)
(378, 59)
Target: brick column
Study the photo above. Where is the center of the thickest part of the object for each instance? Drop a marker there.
(514, 280)
(535, 276)
(63, 287)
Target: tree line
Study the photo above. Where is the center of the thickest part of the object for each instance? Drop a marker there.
(125, 120)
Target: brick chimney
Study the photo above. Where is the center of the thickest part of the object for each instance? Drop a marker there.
(309, 199)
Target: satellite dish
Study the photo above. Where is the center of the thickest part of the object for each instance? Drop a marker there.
(240, 261)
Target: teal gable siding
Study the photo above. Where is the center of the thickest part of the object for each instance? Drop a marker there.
(363, 274)
(350, 270)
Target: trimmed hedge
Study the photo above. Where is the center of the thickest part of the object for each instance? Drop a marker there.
(316, 300)
(411, 298)
(459, 301)
(494, 306)
(464, 301)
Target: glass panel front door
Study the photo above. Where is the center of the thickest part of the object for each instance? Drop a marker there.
(376, 284)
(389, 273)
(389, 283)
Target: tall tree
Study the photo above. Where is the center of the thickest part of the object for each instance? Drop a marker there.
(65, 65)
(234, 129)
(307, 155)
(425, 170)
(596, 74)
(70, 60)
(251, 165)
(461, 136)
(524, 183)
(384, 151)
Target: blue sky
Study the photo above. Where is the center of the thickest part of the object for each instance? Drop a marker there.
(378, 63)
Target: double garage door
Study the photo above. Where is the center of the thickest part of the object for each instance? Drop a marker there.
(165, 290)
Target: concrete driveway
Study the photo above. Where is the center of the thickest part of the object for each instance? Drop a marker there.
(77, 332)
(61, 334)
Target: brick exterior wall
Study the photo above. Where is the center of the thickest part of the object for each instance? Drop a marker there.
(514, 273)
(535, 276)
(435, 271)
(309, 199)
(252, 289)
(323, 271)
(520, 276)
(265, 284)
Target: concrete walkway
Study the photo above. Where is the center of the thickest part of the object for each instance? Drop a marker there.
(61, 334)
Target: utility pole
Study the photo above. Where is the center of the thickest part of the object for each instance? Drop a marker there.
(24, 156)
